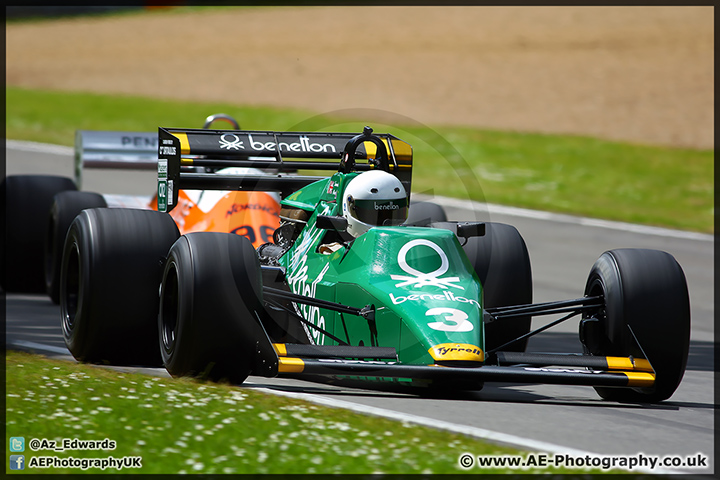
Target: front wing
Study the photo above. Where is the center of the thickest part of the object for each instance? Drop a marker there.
(524, 368)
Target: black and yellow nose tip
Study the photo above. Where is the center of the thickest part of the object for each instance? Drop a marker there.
(463, 352)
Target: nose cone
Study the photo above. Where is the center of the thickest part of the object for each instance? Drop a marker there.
(457, 353)
(424, 278)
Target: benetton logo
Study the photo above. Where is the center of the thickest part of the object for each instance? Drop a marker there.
(232, 142)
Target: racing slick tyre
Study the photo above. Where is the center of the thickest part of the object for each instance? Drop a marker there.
(211, 295)
(109, 282)
(65, 207)
(645, 298)
(422, 214)
(502, 263)
(28, 199)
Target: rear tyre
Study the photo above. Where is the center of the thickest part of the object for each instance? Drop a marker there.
(210, 302)
(28, 199)
(65, 207)
(422, 214)
(502, 263)
(110, 278)
(646, 291)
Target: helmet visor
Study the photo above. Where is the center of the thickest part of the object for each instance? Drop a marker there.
(379, 212)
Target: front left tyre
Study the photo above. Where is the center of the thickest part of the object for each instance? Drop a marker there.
(211, 307)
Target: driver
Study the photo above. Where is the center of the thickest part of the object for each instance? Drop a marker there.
(371, 199)
(374, 198)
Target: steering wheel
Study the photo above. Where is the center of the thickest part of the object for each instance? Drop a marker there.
(348, 157)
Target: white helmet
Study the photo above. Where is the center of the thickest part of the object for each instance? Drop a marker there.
(374, 198)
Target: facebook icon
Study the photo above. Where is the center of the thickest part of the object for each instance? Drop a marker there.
(17, 462)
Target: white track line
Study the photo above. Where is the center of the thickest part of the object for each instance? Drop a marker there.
(40, 346)
(493, 209)
(37, 147)
(458, 203)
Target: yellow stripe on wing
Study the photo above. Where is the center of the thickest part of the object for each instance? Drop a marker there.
(643, 365)
(370, 149)
(625, 363)
(640, 379)
(184, 143)
(619, 363)
(290, 365)
(403, 152)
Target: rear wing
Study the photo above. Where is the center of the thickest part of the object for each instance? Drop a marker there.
(124, 150)
(278, 153)
(108, 149)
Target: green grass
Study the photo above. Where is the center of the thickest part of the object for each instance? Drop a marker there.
(671, 187)
(180, 425)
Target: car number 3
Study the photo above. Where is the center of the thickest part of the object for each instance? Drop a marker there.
(453, 320)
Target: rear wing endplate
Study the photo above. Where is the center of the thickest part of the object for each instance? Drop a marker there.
(108, 149)
(277, 153)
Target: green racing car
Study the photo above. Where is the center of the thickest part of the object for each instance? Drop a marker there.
(358, 282)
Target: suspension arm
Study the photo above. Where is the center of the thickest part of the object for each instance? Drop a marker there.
(367, 311)
(542, 308)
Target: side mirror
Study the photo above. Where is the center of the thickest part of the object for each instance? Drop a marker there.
(331, 222)
(470, 229)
